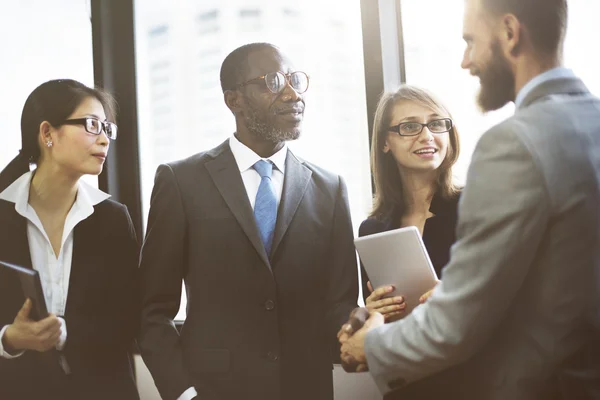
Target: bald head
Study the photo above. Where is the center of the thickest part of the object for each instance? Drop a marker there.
(235, 66)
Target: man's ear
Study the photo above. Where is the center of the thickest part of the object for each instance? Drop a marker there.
(234, 100)
(511, 34)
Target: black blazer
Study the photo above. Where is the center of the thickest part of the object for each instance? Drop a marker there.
(101, 310)
(257, 327)
(439, 233)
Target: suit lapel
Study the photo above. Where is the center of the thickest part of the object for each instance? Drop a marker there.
(297, 177)
(226, 176)
(14, 243)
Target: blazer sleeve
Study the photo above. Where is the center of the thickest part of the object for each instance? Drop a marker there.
(503, 213)
(162, 266)
(114, 331)
(342, 292)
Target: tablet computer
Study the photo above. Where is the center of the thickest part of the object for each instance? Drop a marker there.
(398, 257)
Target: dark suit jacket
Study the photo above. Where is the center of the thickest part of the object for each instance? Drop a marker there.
(256, 328)
(439, 233)
(101, 311)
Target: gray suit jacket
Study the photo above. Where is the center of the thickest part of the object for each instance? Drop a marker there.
(518, 301)
(257, 327)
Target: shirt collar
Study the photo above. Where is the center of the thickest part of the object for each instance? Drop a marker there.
(18, 193)
(246, 158)
(550, 75)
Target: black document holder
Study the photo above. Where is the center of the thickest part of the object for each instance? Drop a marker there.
(32, 289)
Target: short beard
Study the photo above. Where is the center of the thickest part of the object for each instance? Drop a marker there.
(497, 82)
(260, 128)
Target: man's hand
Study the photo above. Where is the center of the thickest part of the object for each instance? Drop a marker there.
(353, 347)
(26, 334)
(357, 319)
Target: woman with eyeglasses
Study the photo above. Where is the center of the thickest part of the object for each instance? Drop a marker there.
(83, 246)
(414, 146)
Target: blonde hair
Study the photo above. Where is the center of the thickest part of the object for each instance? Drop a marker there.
(389, 191)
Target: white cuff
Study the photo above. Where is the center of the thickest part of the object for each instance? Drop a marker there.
(188, 394)
(4, 353)
(63, 335)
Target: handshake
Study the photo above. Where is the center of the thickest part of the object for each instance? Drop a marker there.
(378, 311)
(352, 338)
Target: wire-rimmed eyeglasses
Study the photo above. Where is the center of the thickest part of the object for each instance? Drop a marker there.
(277, 81)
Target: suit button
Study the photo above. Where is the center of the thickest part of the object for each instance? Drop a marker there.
(272, 356)
(269, 305)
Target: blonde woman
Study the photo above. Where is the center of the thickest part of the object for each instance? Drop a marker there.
(414, 146)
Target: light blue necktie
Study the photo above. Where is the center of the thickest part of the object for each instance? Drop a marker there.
(265, 207)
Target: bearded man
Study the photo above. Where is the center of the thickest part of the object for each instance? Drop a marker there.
(264, 243)
(516, 315)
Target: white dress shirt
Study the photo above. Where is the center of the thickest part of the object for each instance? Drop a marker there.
(245, 159)
(54, 270)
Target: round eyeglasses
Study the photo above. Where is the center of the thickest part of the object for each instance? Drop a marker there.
(95, 126)
(415, 128)
(277, 81)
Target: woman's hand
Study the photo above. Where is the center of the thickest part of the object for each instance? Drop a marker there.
(426, 295)
(26, 334)
(391, 308)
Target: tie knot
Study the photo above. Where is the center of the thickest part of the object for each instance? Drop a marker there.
(264, 168)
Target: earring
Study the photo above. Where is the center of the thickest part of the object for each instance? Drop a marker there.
(49, 143)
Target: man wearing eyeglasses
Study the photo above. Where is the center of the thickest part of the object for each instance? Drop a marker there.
(264, 242)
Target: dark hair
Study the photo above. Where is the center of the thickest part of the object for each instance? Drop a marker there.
(390, 197)
(546, 20)
(52, 101)
(235, 65)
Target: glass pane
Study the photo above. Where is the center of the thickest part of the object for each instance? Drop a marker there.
(434, 52)
(583, 30)
(181, 108)
(433, 56)
(40, 48)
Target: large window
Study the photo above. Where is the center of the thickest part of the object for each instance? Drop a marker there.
(581, 43)
(181, 108)
(434, 49)
(433, 53)
(41, 40)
